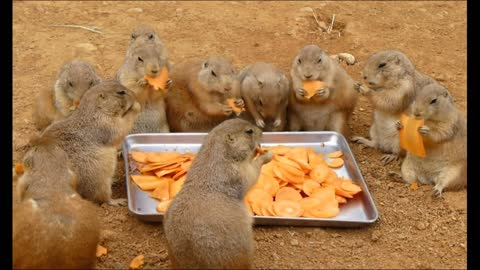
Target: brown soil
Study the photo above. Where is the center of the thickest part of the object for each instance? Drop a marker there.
(414, 230)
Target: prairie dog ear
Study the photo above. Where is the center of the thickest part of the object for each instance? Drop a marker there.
(394, 59)
(259, 82)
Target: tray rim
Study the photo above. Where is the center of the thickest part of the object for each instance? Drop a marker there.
(343, 223)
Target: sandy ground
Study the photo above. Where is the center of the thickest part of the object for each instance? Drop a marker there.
(414, 230)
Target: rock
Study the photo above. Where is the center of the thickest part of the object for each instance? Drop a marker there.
(294, 242)
(361, 109)
(350, 59)
(440, 77)
(306, 9)
(135, 10)
(376, 236)
(282, 244)
(163, 257)
(421, 226)
(85, 47)
(256, 44)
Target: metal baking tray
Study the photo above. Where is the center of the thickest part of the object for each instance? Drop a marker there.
(359, 211)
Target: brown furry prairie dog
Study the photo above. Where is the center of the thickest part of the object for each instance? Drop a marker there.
(53, 227)
(146, 34)
(265, 90)
(145, 59)
(445, 140)
(91, 135)
(392, 83)
(197, 100)
(207, 225)
(73, 80)
(331, 107)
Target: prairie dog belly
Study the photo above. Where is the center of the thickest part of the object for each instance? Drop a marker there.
(315, 117)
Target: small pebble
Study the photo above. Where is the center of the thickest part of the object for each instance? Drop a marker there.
(135, 10)
(294, 242)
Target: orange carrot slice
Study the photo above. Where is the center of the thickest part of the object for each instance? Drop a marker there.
(76, 103)
(287, 208)
(299, 155)
(286, 161)
(162, 207)
(350, 187)
(328, 206)
(340, 199)
(319, 173)
(139, 156)
(159, 82)
(257, 195)
(146, 182)
(309, 186)
(336, 154)
(237, 110)
(309, 203)
(101, 251)
(335, 163)
(162, 157)
(311, 87)
(161, 192)
(288, 193)
(137, 262)
(279, 149)
(283, 174)
(19, 168)
(176, 186)
(269, 184)
(410, 139)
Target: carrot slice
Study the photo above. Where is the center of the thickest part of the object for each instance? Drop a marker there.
(299, 155)
(286, 161)
(159, 82)
(335, 163)
(179, 174)
(162, 207)
(279, 149)
(311, 87)
(309, 186)
(288, 193)
(260, 207)
(19, 168)
(328, 206)
(350, 187)
(331, 178)
(269, 184)
(101, 251)
(146, 182)
(139, 156)
(410, 139)
(137, 262)
(281, 183)
(267, 169)
(315, 159)
(237, 110)
(309, 203)
(162, 172)
(287, 208)
(162, 157)
(319, 173)
(257, 195)
(282, 173)
(161, 192)
(340, 199)
(176, 186)
(336, 154)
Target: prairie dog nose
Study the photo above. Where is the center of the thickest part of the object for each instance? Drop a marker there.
(228, 88)
(308, 76)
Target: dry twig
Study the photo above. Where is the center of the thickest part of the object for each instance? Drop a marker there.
(91, 28)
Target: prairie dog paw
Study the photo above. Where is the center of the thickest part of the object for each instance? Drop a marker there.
(424, 130)
(169, 83)
(118, 202)
(277, 123)
(142, 82)
(300, 93)
(398, 125)
(239, 103)
(227, 110)
(260, 123)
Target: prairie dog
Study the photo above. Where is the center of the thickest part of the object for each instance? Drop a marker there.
(53, 227)
(265, 90)
(91, 135)
(216, 233)
(392, 84)
(73, 80)
(197, 100)
(144, 60)
(445, 141)
(330, 108)
(146, 34)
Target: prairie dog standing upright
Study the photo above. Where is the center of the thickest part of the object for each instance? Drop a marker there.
(392, 84)
(145, 59)
(197, 100)
(330, 108)
(265, 90)
(73, 80)
(445, 140)
(216, 233)
(53, 227)
(91, 135)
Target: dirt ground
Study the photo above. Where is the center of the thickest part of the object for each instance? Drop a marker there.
(414, 230)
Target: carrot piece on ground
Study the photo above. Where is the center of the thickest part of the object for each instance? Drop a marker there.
(237, 110)
(101, 251)
(137, 262)
(161, 192)
(414, 186)
(336, 154)
(288, 193)
(163, 206)
(335, 163)
(309, 186)
(287, 208)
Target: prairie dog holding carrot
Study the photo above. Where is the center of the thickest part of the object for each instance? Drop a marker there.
(265, 90)
(329, 108)
(73, 80)
(197, 100)
(145, 59)
(207, 225)
(53, 227)
(91, 135)
(445, 140)
(392, 84)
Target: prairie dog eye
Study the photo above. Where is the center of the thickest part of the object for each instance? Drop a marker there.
(140, 59)
(433, 101)
(319, 60)
(381, 65)
(91, 83)
(299, 61)
(150, 36)
(70, 84)
(260, 102)
(249, 131)
(214, 74)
